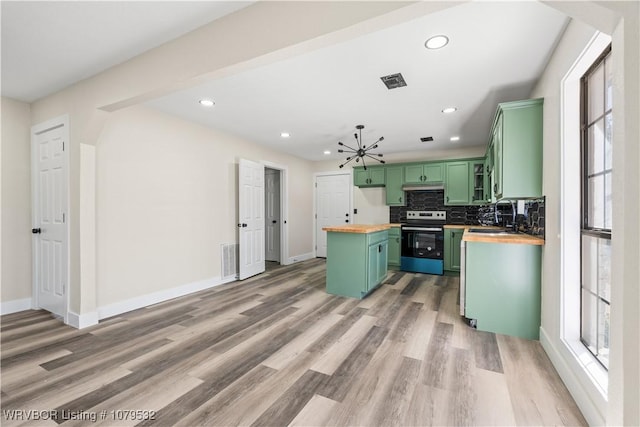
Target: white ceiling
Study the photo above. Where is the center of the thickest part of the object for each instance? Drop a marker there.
(49, 45)
(496, 53)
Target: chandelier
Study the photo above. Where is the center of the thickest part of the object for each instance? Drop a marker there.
(362, 151)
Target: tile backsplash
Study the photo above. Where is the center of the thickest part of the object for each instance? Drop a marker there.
(433, 200)
(502, 214)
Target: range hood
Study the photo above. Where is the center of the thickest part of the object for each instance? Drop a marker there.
(423, 187)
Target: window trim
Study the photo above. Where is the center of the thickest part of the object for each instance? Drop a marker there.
(585, 228)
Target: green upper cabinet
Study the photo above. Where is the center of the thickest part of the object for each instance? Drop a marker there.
(372, 177)
(517, 150)
(456, 185)
(479, 185)
(393, 186)
(424, 173)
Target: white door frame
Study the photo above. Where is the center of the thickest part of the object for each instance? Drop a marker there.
(315, 195)
(284, 209)
(58, 122)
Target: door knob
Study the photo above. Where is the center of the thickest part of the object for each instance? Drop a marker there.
(274, 221)
(242, 225)
(36, 230)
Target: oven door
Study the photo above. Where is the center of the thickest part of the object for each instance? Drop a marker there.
(422, 242)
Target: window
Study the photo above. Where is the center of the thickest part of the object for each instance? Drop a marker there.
(595, 233)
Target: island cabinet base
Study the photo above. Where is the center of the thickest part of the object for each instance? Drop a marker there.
(356, 262)
(503, 288)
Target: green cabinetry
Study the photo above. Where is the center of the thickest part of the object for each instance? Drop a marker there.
(394, 247)
(356, 262)
(372, 177)
(502, 288)
(393, 186)
(516, 138)
(479, 186)
(452, 239)
(425, 173)
(456, 185)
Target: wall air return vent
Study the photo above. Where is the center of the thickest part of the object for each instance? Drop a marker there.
(426, 139)
(393, 81)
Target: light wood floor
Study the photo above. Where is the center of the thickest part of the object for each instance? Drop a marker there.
(277, 350)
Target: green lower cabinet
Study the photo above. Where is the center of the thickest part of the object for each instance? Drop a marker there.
(356, 262)
(452, 239)
(394, 247)
(502, 283)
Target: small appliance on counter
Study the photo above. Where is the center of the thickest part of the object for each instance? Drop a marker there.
(422, 242)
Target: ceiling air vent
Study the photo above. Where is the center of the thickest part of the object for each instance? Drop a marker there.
(393, 81)
(426, 139)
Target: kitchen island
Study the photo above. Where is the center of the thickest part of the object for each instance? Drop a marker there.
(500, 282)
(356, 258)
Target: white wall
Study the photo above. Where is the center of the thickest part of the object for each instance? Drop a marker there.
(16, 206)
(167, 199)
(621, 405)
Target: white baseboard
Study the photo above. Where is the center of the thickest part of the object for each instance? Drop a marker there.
(580, 395)
(81, 321)
(299, 258)
(157, 297)
(15, 306)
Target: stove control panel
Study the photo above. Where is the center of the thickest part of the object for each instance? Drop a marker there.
(427, 215)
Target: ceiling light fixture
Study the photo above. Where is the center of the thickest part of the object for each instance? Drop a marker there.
(449, 110)
(327, 152)
(436, 42)
(206, 103)
(285, 135)
(454, 139)
(362, 150)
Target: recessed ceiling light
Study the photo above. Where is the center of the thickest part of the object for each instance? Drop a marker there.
(206, 103)
(449, 110)
(285, 135)
(327, 152)
(454, 138)
(436, 42)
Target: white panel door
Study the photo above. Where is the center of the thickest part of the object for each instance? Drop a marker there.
(251, 218)
(50, 228)
(272, 215)
(332, 206)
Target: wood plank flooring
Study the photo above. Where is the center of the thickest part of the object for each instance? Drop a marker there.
(276, 350)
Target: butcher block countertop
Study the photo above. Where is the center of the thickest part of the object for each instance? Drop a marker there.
(498, 237)
(517, 238)
(358, 228)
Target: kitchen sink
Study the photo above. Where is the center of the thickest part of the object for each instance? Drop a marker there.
(491, 231)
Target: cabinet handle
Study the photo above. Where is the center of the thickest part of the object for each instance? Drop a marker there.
(379, 248)
(447, 198)
(397, 239)
(495, 188)
(399, 199)
(453, 234)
